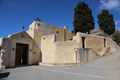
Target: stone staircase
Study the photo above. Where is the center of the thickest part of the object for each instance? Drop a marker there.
(88, 54)
(105, 52)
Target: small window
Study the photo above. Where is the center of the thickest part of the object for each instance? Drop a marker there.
(57, 31)
(43, 38)
(104, 42)
(38, 24)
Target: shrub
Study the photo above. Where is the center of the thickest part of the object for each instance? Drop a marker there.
(116, 36)
(103, 34)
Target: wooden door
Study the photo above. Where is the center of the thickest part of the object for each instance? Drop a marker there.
(18, 55)
(25, 54)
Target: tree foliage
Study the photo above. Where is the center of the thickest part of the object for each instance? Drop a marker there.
(38, 19)
(106, 22)
(116, 36)
(83, 19)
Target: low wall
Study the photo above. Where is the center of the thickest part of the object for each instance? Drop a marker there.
(64, 51)
(97, 43)
(113, 45)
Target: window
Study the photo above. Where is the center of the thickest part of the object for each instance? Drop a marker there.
(43, 38)
(38, 24)
(104, 42)
(57, 32)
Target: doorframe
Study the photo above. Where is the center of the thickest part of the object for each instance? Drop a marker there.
(27, 52)
(83, 40)
(13, 42)
(105, 43)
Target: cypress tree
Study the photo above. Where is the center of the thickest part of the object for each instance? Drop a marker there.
(83, 19)
(106, 22)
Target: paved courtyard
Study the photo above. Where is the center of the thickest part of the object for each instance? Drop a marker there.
(60, 73)
(54, 73)
(105, 68)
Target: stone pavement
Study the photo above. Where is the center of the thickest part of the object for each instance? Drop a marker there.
(54, 73)
(59, 73)
(105, 68)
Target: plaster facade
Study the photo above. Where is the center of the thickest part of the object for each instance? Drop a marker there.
(9, 47)
(52, 45)
(83, 48)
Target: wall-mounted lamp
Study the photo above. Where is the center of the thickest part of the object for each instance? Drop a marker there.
(34, 52)
(43, 38)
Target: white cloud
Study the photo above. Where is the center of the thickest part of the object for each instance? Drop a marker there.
(109, 4)
(116, 22)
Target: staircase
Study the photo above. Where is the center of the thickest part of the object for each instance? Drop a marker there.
(105, 52)
(84, 55)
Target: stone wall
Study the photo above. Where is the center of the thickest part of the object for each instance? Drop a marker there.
(0, 52)
(9, 49)
(64, 51)
(72, 52)
(48, 29)
(56, 45)
(84, 55)
(38, 29)
(14, 41)
(97, 43)
(5, 51)
(48, 48)
(57, 51)
(112, 44)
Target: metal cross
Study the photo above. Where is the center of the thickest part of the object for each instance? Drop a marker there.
(23, 27)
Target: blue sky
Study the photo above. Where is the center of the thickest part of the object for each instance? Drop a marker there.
(17, 13)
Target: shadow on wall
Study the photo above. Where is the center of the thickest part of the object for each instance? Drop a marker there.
(37, 52)
(84, 55)
(40, 56)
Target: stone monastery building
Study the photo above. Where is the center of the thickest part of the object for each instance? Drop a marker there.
(53, 46)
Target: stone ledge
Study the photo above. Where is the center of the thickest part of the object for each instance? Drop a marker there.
(58, 64)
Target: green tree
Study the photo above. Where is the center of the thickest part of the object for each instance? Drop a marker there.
(83, 19)
(116, 36)
(38, 19)
(106, 22)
